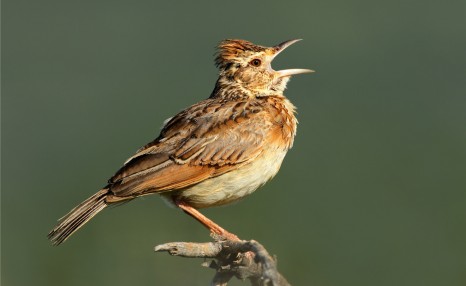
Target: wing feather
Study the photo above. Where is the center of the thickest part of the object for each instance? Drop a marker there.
(208, 139)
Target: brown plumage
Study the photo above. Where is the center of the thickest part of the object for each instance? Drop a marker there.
(214, 152)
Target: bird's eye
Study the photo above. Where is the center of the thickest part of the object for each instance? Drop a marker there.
(255, 62)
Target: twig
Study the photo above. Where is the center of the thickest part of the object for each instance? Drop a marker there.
(242, 259)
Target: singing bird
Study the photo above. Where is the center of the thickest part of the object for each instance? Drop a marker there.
(214, 152)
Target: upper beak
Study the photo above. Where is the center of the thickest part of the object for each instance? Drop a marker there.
(289, 72)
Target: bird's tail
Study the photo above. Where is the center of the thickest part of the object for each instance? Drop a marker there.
(78, 216)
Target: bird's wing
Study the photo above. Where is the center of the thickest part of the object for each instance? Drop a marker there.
(206, 140)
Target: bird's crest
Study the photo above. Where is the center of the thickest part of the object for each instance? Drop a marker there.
(231, 49)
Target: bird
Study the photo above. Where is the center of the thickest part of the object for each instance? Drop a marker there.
(214, 152)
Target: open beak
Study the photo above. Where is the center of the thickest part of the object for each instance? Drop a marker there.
(289, 72)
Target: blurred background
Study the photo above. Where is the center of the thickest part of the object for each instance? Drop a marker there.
(373, 192)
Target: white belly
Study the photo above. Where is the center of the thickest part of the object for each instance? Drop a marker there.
(233, 185)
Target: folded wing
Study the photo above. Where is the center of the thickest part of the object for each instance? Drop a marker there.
(206, 140)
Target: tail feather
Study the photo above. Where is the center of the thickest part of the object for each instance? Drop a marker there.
(78, 216)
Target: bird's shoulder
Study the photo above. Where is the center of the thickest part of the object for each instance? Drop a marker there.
(222, 122)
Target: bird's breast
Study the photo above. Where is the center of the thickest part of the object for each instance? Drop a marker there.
(282, 112)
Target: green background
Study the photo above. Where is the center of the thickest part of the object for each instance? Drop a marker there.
(373, 192)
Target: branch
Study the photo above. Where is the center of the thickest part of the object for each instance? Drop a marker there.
(241, 259)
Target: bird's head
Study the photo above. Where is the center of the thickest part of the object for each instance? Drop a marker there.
(248, 66)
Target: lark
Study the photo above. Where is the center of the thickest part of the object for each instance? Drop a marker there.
(214, 152)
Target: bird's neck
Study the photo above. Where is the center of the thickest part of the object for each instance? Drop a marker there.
(283, 110)
(230, 89)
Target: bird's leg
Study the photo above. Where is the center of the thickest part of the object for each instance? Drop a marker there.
(209, 224)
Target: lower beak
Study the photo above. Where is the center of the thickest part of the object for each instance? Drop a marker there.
(290, 72)
(280, 48)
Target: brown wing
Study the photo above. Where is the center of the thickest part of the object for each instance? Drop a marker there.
(206, 140)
